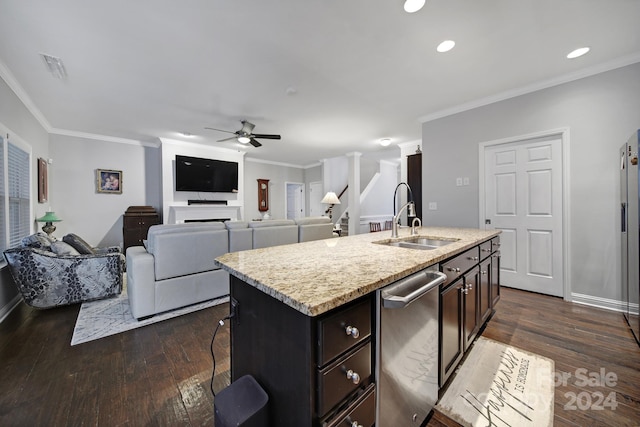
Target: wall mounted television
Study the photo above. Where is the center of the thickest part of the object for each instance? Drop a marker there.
(207, 175)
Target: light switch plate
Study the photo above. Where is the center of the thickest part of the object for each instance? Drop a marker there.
(459, 182)
(433, 206)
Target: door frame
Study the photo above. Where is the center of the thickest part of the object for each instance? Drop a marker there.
(564, 135)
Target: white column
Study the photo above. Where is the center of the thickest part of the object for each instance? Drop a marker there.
(354, 192)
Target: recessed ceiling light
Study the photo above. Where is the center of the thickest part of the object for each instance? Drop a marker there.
(578, 52)
(446, 46)
(385, 142)
(186, 134)
(411, 6)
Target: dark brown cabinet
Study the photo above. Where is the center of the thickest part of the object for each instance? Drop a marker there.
(136, 223)
(414, 179)
(466, 301)
(317, 370)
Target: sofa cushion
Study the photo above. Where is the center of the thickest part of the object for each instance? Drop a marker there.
(62, 248)
(231, 225)
(183, 249)
(164, 229)
(78, 243)
(271, 223)
(313, 220)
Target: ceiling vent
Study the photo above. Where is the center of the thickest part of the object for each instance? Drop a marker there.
(54, 65)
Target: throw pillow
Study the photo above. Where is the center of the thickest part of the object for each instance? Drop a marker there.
(38, 240)
(62, 248)
(78, 243)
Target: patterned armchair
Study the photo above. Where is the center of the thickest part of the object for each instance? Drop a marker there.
(50, 273)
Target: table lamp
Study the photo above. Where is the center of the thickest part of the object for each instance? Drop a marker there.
(330, 199)
(49, 218)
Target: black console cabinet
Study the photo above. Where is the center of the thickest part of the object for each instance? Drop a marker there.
(136, 223)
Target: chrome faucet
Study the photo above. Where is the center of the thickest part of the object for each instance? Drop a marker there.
(410, 206)
(414, 231)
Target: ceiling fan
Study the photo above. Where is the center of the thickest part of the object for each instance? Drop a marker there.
(246, 135)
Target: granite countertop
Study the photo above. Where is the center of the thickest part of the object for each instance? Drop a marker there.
(315, 277)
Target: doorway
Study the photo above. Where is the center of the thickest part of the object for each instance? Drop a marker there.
(315, 197)
(294, 200)
(523, 193)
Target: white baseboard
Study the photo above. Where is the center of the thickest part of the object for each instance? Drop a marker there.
(6, 310)
(605, 303)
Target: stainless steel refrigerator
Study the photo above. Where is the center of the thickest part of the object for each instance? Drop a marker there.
(630, 228)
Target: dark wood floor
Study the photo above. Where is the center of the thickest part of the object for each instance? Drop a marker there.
(160, 374)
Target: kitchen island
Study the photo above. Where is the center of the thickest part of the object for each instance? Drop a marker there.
(295, 303)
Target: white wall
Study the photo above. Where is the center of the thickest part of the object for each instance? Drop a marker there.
(601, 111)
(170, 148)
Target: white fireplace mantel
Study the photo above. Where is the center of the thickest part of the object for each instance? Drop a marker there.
(181, 213)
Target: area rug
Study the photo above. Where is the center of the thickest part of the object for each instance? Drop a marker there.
(501, 386)
(99, 319)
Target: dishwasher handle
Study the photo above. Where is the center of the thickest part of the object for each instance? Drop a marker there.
(404, 292)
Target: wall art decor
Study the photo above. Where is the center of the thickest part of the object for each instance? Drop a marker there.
(108, 181)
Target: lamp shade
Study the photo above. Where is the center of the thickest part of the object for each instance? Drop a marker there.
(330, 198)
(49, 217)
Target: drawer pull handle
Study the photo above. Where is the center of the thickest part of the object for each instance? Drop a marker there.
(353, 376)
(355, 424)
(472, 258)
(352, 331)
(454, 269)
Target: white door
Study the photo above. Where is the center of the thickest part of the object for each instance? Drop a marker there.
(294, 200)
(523, 198)
(315, 196)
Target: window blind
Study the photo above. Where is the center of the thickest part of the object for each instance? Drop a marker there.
(18, 193)
(3, 209)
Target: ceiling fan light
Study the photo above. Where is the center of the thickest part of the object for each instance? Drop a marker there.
(411, 6)
(244, 139)
(385, 142)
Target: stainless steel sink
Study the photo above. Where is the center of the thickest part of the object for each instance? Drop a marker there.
(417, 242)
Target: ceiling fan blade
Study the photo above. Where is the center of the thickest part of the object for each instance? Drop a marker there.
(265, 136)
(255, 143)
(227, 139)
(219, 130)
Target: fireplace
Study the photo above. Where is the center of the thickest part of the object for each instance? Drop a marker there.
(203, 213)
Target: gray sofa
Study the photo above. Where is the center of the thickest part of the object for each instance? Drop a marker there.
(177, 267)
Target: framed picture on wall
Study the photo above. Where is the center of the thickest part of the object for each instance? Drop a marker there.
(43, 181)
(108, 181)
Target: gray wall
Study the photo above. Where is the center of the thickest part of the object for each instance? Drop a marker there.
(15, 118)
(277, 176)
(97, 217)
(601, 111)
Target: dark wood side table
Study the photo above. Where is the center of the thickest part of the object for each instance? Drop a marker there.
(136, 223)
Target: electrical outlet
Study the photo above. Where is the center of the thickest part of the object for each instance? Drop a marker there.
(433, 206)
(459, 182)
(465, 180)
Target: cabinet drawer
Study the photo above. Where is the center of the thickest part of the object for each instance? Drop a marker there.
(486, 248)
(495, 243)
(458, 265)
(361, 412)
(335, 383)
(337, 333)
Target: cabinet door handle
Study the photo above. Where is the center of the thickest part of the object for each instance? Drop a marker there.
(469, 286)
(352, 331)
(353, 376)
(483, 272)
(355, 424)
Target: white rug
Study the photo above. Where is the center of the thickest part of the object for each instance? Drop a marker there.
(99, 319)
(501, 386)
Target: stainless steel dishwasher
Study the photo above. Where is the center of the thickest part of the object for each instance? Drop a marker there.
(407, 348)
